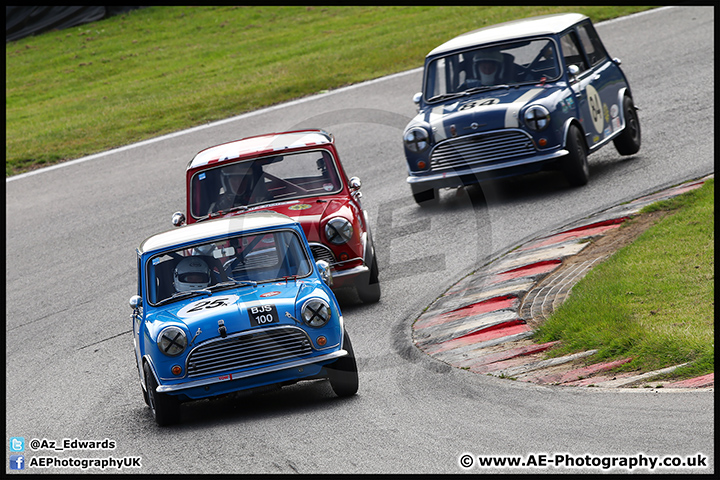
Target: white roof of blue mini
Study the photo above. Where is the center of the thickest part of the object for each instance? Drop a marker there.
(199, 231)
(526, 27)
(261, 144)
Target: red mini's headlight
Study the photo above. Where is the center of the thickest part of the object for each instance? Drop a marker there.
(338, 231)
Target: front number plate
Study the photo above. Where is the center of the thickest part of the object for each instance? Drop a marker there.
(263, 315)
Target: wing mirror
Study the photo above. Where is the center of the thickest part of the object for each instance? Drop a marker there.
(355, 185)
(573, 70)
(136, 302)
(178, 219)
(325, 272)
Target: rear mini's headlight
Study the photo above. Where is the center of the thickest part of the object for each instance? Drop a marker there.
(316, 313)
(537, 118)
(172, 341)
(416, 139)
(338, 231)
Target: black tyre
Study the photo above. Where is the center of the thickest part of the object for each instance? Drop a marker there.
(628, 142)
(343, 374)
(145, 396)
(165, 408)
(370, 293)
(575, 163)
(424, 194)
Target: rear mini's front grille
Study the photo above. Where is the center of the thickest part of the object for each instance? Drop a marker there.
(321, 252)
(481, 148)
(250, 349)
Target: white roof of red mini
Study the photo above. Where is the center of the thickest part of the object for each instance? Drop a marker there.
(259, 145)
(227, 226)
(526, 27)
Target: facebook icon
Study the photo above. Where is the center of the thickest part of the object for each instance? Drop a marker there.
(17, 462)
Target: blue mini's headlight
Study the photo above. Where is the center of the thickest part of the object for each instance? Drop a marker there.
(316, 313)
(416, 139)
(537, 118)
(172, 341)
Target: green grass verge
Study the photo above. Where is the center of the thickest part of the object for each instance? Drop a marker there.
(653, 300)
(156, 70)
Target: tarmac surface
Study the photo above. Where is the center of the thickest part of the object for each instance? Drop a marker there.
(485, 322)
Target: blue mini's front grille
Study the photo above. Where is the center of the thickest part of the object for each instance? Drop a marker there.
(481, 148)
(250, 349)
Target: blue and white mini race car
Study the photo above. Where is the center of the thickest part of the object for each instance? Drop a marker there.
(516, 98)
(234, 304)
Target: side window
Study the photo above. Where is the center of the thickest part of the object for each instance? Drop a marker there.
(592, 44)
(139, 275)
(571, 51)
(441, 84)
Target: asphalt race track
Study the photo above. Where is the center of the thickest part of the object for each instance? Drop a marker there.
(70, 271)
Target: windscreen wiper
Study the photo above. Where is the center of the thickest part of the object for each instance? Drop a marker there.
(232, 283)
(445, 96)
(223, 212)
(190, 293)
(484, 88)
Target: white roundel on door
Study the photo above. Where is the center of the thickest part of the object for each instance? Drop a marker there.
(596, 111)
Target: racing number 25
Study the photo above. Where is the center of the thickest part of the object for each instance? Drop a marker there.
(218, 302)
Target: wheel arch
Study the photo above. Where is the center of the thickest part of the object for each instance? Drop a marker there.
(147, 361)
(566, 129)
(622, 93)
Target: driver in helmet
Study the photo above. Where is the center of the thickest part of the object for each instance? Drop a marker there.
(488, 66)
(241, 185)
(191, 273)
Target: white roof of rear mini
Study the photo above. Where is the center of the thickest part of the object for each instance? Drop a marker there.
(526, 27)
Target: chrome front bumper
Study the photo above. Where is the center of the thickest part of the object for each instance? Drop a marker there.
(250, 373)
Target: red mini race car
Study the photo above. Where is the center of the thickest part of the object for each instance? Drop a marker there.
(298, 174)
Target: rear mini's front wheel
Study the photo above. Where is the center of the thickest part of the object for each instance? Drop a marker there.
(424, 195)
(575, 164)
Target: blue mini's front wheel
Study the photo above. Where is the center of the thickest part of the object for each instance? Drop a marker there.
(343, 373)
(165, 408)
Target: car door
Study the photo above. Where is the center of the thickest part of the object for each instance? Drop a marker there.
(587, 100)
(595, 86)
(605, 82)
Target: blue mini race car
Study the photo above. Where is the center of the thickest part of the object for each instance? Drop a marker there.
(516, 98)
(235, 304)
